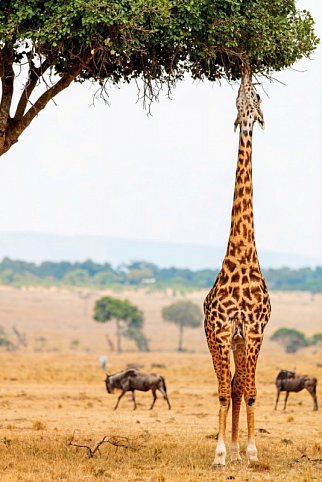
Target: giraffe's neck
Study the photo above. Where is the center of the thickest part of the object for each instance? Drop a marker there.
(241, 244)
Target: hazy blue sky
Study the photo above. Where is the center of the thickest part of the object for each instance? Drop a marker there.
(116, 172)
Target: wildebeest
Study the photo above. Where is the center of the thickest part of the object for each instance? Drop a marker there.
(287, 381)
(131, 380)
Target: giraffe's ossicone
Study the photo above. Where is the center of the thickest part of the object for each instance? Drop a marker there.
(237, 308)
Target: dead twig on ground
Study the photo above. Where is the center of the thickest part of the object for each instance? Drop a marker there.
(116, 441)
(305, 457)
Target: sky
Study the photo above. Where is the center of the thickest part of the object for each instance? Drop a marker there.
(115, 171)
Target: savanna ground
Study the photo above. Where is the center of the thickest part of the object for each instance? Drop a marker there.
(52, 391)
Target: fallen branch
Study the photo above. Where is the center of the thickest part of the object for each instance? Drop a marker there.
(304, 456)
(115, 441)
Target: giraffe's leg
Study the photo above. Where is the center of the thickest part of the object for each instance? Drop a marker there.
(252, 351)
(237, 387)
(221, 359)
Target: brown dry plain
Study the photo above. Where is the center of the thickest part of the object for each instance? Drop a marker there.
(47, 396)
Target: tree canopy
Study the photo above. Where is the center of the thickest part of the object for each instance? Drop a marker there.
(129, 320)
(46, 45)
(292, 340)
(183, 313)
(108, 308)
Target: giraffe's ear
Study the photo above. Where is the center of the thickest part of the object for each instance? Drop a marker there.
(261, 123)
(260, 118)
(237, 123)
(259, 113)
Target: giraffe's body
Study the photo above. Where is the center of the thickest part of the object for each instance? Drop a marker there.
(237, 308)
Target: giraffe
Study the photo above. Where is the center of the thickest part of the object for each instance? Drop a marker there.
(237, 308)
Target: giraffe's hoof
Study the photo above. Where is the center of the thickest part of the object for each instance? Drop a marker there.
(217, 466)
(219, 462)
(252, 458)
(220, 455)
(234, 452)
(251, 452)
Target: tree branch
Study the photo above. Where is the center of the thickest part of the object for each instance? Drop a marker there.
(116, 441)
(34, 74)
(16, 128)
(43, 100)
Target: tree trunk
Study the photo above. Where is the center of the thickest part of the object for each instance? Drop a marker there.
(12, 127)
(180, 347)
(118, 337)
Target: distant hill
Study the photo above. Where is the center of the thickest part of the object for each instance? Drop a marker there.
(38, 247)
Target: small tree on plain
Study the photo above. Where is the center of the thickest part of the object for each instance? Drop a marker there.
(128, 318)
(5, 341)
(135, 333)
(292, 340)
(316, 339)
(185, 314)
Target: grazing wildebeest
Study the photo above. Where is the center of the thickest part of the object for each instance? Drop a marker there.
(287, 381)
(131, 380)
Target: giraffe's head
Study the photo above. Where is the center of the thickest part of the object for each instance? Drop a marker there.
(248, 103)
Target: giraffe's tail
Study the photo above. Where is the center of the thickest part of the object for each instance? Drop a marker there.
(238, 342)
(238, 381)
(238, 334)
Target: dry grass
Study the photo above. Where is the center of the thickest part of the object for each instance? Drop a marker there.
(40, 416)
(47, 398)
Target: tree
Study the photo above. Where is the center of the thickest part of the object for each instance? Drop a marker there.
(5, 341)
(47, 45)
(139, 271)
(292, 340)
(316, 339)
(129, 320)
(184, 314)
(77, 277)
(136, 334)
